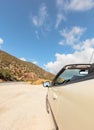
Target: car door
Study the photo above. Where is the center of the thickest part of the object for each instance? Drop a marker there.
(73, 105)
(55, 98)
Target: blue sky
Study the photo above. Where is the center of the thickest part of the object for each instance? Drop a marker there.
(49, 33)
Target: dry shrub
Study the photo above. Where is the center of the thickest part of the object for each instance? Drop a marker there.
(39, 81)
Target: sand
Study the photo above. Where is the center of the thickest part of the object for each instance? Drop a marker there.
(22, 107)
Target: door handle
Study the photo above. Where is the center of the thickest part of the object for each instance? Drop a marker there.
(54, 96)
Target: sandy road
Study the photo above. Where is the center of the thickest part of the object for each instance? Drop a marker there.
(22, 107)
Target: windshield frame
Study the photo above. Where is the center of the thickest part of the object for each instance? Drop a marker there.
(70, 66)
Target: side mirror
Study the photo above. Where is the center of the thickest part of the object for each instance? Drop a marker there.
(47, 84)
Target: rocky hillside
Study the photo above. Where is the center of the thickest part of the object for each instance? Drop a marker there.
(13, 69)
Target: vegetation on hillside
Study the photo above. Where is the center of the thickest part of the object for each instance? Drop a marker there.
(13, 69)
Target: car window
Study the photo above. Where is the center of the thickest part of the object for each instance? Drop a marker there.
(70, 75)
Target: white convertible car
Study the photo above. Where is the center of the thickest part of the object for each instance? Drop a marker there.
(70, 97)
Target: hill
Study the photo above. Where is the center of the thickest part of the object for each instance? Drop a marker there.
(13, 69)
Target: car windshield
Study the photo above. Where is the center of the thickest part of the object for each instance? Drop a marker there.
(71, 73)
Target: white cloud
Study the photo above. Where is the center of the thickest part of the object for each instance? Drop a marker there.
(64, 6)
(60, 17)
(35, 62)
(81, 5)
(1, 42)
(35, 20)
(60, 4)
(42, 16)
(23, 59)
(79, 56)
(75, 5)
(71, 37)
(41, 21)
(88, 43)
